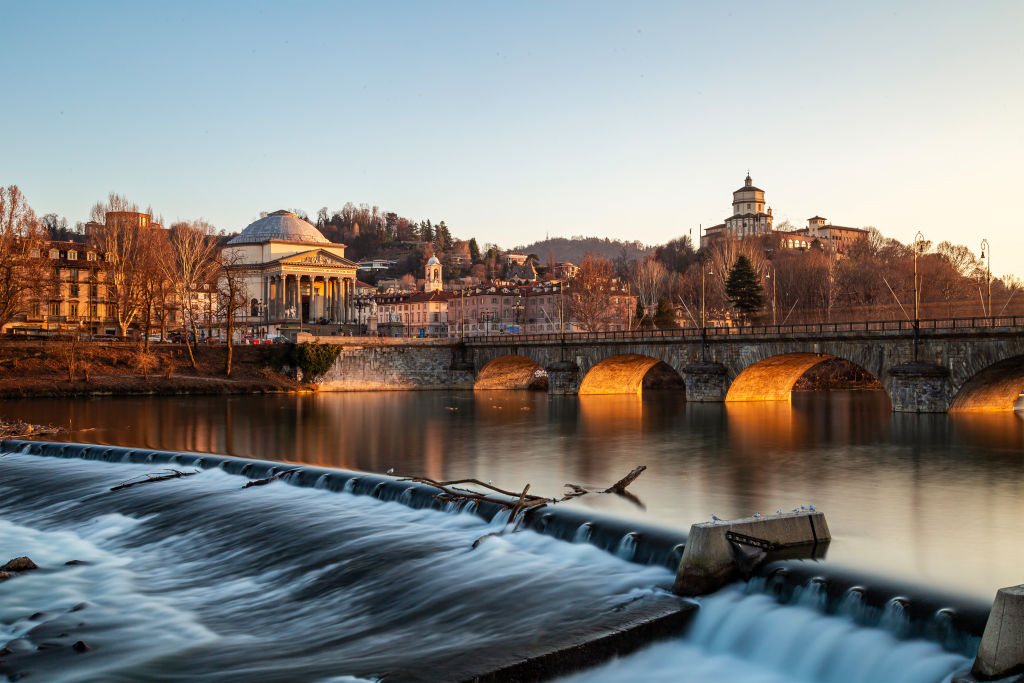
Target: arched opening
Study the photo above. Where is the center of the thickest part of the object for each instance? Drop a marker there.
(994, 388)
(511, 372)
(775, 378)
(630, 374)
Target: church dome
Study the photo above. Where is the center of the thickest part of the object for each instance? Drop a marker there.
(432, 261)
(280, 225)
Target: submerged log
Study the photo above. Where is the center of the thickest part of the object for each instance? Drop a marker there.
(267, 480)
(147, 478)
(621, 484)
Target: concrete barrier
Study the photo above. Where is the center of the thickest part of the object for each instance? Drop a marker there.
(1001, 653)
(712, 559)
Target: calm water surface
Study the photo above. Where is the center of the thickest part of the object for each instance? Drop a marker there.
(931, 498)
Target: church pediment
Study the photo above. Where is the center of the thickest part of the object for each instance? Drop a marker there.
(317, 257)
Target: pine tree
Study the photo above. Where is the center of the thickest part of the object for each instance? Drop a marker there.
(744, 287)
(665, 317)
(474, 250)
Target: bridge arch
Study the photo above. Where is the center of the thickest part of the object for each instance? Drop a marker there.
(509, 372)
(630, 373)
(995, 387)
(774, 377)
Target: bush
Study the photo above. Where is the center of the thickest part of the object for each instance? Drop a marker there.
(314, 359)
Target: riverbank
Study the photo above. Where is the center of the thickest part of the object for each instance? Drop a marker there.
(58, 369)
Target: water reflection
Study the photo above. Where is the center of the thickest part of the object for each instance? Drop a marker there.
(934, 497)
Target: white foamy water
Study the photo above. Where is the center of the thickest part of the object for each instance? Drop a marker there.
(196, 577)
(751, 638)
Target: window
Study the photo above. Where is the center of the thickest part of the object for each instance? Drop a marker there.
(72, 255)
(55, 308)
(55, 253)
(35, 253)
(72, 291)
(34, 309)
(94, 310)
(91, 256)
(73, 309)
(73, 275)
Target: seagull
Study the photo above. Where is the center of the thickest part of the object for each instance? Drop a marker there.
(490, 483)
(803, 507)
(796, 509)
(811, 508)
(779, 511)
(391, 470)
(757, 514)
(715, 518)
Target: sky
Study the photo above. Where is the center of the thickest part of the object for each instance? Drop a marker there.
(512, 121)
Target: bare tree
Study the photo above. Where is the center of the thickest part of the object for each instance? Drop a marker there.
(192, 264)
(231, 295)
(591, 292)
(649, 279)
(23, 266)
(120, 239)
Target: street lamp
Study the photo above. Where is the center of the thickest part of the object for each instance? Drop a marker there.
(988, 272)
(918, 239)
(705, 270)
(772, 276)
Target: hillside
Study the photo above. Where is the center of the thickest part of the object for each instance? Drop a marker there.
(575, 248)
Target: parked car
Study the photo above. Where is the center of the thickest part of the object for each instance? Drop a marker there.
(279, 339)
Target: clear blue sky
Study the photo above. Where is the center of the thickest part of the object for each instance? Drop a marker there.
(511, 120)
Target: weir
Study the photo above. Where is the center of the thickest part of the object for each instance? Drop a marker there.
(902, 612)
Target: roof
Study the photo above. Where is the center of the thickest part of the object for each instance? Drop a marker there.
(748, 188)
(816, 218)
(280, 225)
(433, 261)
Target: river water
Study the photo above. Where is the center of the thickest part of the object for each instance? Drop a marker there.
(932, 499)
(200, 577)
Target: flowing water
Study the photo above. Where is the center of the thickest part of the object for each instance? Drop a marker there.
(198, 576)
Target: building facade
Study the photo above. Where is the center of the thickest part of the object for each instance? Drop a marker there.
(750, 216)
(293, 275)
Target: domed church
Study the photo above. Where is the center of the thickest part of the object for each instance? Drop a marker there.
(293, 274)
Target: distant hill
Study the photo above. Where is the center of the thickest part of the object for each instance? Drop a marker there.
(573, 249)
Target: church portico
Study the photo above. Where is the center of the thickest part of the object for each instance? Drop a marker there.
(293, 275)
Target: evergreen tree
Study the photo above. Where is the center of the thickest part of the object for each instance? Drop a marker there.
(474, 250)
(426, 231)
(665, 317)
(744, 287)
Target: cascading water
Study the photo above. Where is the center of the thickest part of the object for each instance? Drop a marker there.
(744, 636)
(198, 577)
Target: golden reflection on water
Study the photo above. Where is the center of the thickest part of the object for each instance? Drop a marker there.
(930, 497)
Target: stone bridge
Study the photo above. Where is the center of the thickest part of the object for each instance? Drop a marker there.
(936, 366)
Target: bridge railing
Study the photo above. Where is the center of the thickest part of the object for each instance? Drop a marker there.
(934, 324)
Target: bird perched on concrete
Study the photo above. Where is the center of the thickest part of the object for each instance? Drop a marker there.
(715, 518)
(802, 507)
(779, 511)
(391, 470)
(796, 509)
(811, 508)
(490, 483)
(757, 514)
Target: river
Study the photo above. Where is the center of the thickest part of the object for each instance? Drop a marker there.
(930, 499)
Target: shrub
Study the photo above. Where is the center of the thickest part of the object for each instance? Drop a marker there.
(315, 359)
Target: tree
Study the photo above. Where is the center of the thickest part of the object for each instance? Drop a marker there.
(23, 267)
(474, 250)
(120, 239)
(231, 296)
(649, 278)
(191, 266)
(665, 317)
(591, 292)
(744, 287)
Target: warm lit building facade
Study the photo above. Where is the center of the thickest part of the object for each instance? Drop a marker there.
(750, 216)
(293, 275)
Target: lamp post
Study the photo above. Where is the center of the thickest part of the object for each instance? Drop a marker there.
(705, 270)
(988, 273)
(918, 239)
(772, 276)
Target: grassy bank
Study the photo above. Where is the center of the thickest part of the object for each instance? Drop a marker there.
(59, 368)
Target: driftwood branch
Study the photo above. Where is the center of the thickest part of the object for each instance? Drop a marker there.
(267, 480)
(147, 478)
(618, 488)
(621, 484)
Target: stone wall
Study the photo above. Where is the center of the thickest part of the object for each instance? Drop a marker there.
(406, 367)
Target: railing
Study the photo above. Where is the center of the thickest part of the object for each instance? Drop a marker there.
(944, 324)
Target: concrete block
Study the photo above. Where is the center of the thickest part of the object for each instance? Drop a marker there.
(1001, 652)
(705, 382)
(710, 560)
